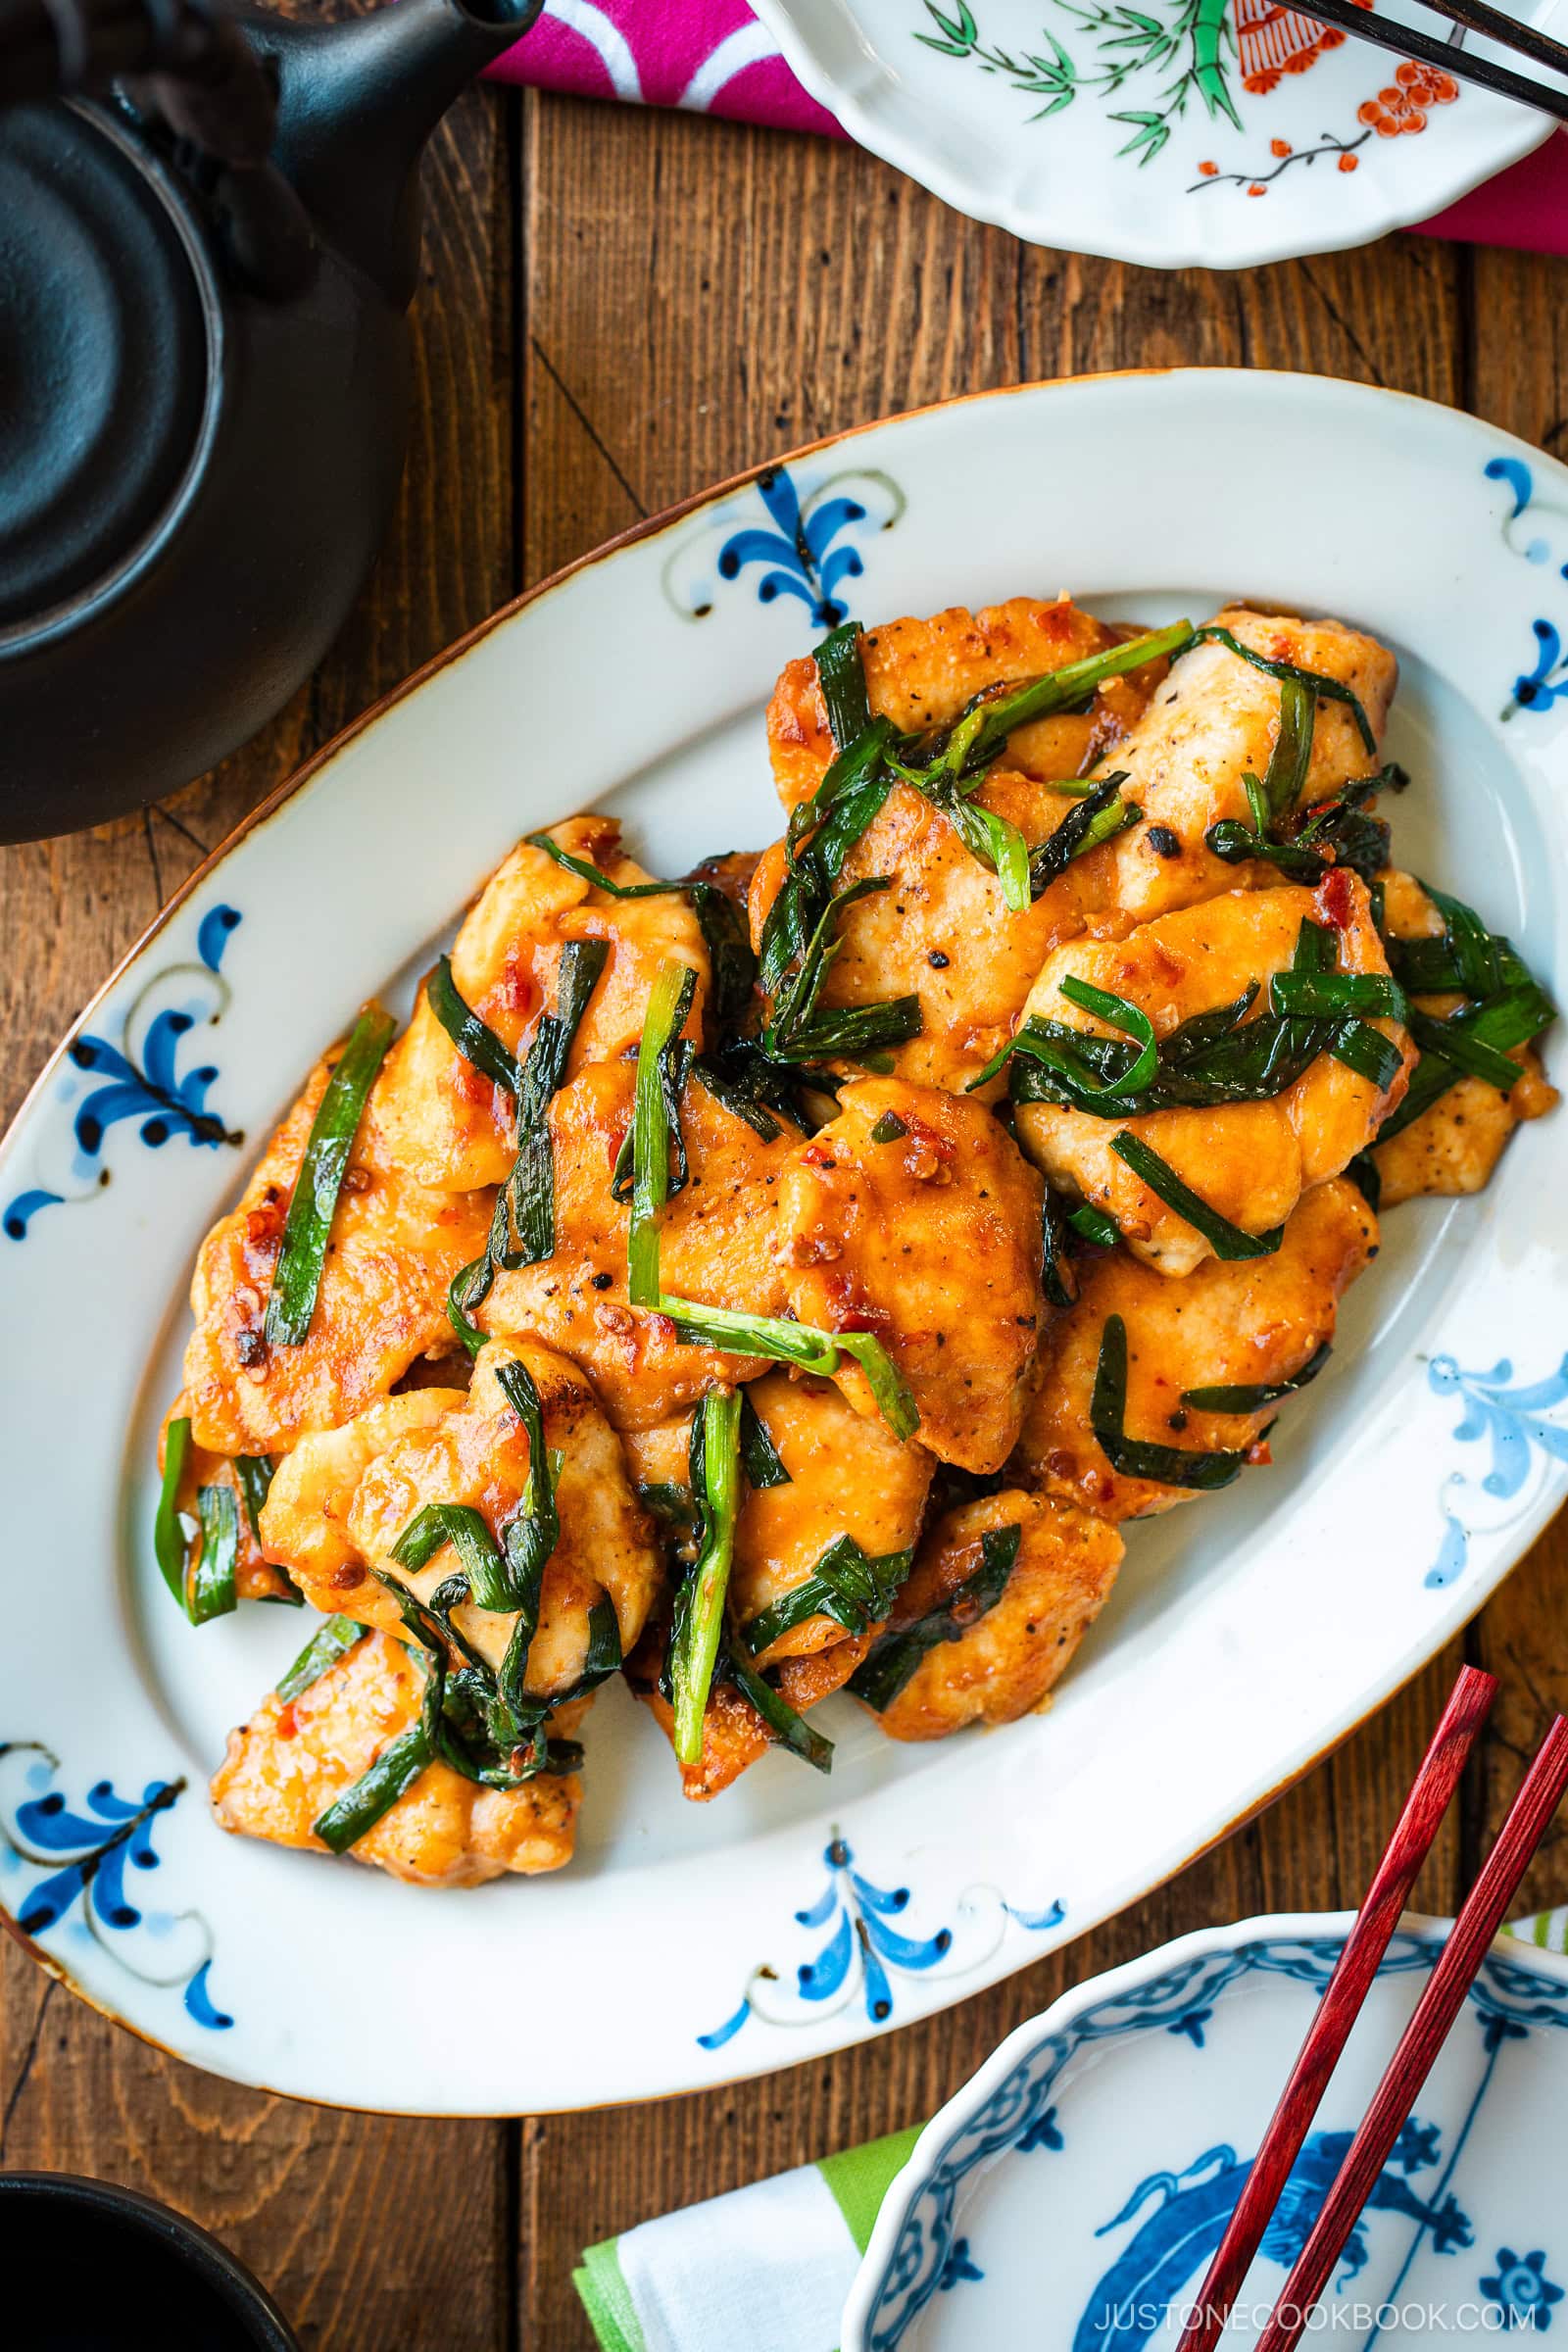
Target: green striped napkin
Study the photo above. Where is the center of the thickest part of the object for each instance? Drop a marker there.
(768, 2267)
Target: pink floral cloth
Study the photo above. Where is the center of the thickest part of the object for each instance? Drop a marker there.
(712, 56)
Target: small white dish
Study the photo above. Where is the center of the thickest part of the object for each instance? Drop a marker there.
(692, 1945)
(1075, 2190)
(1173, 132)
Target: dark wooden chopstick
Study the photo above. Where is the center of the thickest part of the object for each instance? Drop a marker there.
(1529, 1818)
(1478, 16)
(1406, 41)
(1348, 1988)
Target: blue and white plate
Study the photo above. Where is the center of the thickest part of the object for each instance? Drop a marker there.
(1074, 2192)
(691, 1945)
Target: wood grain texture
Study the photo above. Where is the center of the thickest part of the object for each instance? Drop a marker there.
(371, 2233)
(616, 309)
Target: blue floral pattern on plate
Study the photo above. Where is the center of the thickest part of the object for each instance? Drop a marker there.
(84, 1856)
(804, 550)
(862, 1947)
(1520, 2288)
(1513, 1422)
(139, 1077)
(1545, 681)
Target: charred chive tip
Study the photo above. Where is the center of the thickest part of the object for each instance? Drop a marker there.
(1163, 841)
(892, 1661)
(1133, 1457)
(307, 1226)
(889, 1128)
(1257, 1396)
(1227, 1241)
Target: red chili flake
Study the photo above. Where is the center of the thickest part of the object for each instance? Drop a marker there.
(922, 1132)
(1336, 896)
(287, 1722)
(816, 1155)
(516, 990)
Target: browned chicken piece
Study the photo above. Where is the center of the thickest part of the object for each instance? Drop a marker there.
(943, 931)
(382, 1302)
(1215, 718)
(921, 673)
(734, 1735)
(304, 1519)
(715, 1243)
(848, 1477)
(991, 1663)
(445, 1123)
(928, 1236)
(1256, 1323)
(255, 1577)
(1453, 1146)
(334, 1516)
(290, 1761)
(1250, 1161)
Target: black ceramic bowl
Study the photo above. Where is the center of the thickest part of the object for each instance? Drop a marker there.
(101, 2267)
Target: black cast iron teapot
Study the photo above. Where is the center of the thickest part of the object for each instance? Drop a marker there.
(209, 237)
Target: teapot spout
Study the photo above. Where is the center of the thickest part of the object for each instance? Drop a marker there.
(357, 102)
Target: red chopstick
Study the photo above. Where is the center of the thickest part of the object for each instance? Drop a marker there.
(1529, 1818)
(1356, 1967)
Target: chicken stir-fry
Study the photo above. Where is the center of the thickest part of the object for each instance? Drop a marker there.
(1250, 1159)
(1208, 1361)
(288, 1765)
(774, 1321)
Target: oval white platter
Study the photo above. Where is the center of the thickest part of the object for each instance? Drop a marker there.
(689, 1946)
(1220, 134)
(1075, 2191)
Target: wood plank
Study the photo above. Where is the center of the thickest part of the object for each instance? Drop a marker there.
(682, 324)
(370, 2231)
(699, 296)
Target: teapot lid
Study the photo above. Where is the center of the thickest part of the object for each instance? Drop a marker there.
(108, 341)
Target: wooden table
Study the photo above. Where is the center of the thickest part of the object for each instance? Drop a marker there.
(616, 309)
